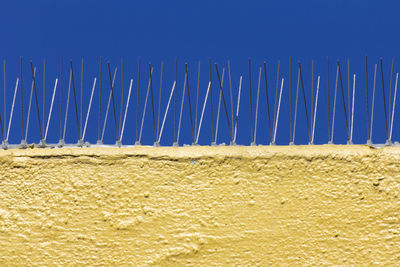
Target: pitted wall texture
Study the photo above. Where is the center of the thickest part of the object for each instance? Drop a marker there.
(308, 205)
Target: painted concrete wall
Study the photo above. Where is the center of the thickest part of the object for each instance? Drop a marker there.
(200, 205)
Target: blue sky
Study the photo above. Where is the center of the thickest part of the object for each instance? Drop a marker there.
(195, 31)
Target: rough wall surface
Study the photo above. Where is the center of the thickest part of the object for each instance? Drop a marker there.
(311, 205)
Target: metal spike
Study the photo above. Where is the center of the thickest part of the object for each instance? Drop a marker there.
(369, 142)
(257, 101)
(251, 105)
(202, 113)
(295, 108)
(126, 112)
(166, 111)
(277, 115)
(266, 93)
(75, 101)
(225, 108)
(190, 106)
(51, 109)
(211, 103)
(352, 110)
(62, 142)
(276, 92)
(305, 104)
(327, 98)
(122, 102)
(152, 103)
(334, 105)
(384, 102)
(137, 142)
(12, 111)
(29, 108)
(144, 111)
(197, 99)
(37, 103)
(99, 114)
(344, 103)
(159, 99)
(366, 94)
(237, 110)
(218, 110)
(108, 105)
(315, 112)
(22, 104)
(394, 105)
(88, 112)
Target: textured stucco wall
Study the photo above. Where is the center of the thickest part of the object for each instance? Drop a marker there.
(200, 205)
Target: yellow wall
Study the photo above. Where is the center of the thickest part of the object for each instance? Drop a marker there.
(200, 205)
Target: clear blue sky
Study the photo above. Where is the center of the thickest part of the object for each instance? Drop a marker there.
(196, 30)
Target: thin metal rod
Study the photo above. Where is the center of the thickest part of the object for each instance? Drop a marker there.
(225, 108)
(384, 101)
(22, 101)
(44, 92)
(327, 98)
(266, 93)
(159, 99)
(51, 109)
(81, 102)
(122, 100)
(137, 103)
(251, 104)
(88, 111)
(394, 105)
(257, 101)
(29, 108)
(5, 96)
(352, 109)
(166, 111)
(348, 87)
(108, 106)
(290, 100)
(190, 105)
(312, 88)
(67, 106)
(100, 83)
(277, 114)
(218, 109)
(211, 103)
(144, 110)
(61, 95)
(305, 104)
(197, 99)
(75, 101)
(152, 103)
(126, 110)
(373, 105)
(12, 109)
(202, 113)
(276, 92)
(180, 114)
(237, 109)
(390, 89)
(344, 103)
(112, 97)
(295, 108)
(230, 91)
(176, 74)
(315, 111)
(334, 105)
(366, 94)
(37, 103)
